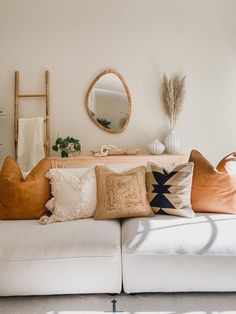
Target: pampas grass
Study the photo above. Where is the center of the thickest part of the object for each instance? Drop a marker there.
(173, 91)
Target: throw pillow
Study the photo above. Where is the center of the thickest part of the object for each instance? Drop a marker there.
(169, 191)
(228, 164)
(23, 198)
(73, 198)
(212, 191)
(121, 195)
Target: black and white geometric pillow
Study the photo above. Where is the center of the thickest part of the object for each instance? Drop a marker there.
(169, 192)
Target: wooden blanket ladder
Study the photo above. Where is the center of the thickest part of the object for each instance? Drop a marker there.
(45, 95)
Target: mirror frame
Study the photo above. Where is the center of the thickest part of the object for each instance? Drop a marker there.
(128, 95)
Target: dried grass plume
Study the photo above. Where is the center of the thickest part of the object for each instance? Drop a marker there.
(173, 91)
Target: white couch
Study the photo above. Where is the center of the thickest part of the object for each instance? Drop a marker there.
(160, 254)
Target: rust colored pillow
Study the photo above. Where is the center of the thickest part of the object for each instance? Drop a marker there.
(23, 198)
(121, 195)
(212, 191)
(228, 164)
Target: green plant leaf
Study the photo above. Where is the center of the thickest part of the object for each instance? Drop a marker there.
(77, 147)
(58, 140)
(54, 147)
(64, 154)
(63, 143)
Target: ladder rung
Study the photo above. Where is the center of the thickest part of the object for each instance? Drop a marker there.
(32, 95)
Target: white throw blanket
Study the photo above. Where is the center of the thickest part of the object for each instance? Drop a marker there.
(30, 148)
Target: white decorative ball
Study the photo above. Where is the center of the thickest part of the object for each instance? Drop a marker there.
(156, 147)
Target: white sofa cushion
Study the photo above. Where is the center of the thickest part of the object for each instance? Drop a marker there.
(208, 234)
(28, 240)
(78, 172)
(173, 254)
(79, 256)
(178, 273)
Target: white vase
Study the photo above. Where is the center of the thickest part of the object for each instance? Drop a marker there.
(156, 147)
(172, 143)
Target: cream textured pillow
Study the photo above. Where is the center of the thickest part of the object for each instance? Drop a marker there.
(73, 198)
(169, 191)
(121, 195)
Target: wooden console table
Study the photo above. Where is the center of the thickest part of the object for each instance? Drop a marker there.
(89, 161)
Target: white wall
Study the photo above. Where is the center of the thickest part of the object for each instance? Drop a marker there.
(76, 39)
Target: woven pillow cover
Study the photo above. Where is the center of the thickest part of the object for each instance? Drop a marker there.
(121, 195)
(169, 191)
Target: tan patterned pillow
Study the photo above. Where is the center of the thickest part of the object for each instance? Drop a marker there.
(121, 195)
(169, 191)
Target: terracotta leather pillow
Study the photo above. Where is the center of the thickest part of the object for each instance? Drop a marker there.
(212, 191)
(228, 164)
(23, 198)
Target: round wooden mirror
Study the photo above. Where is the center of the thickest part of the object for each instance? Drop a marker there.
(108, 102)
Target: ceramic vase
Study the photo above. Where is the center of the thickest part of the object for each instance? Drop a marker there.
(156, 147)
(172, 143)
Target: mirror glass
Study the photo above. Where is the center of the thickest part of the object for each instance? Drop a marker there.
(108, 102)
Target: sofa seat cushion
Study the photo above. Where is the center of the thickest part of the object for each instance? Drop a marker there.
(206, 234)
(27, 240)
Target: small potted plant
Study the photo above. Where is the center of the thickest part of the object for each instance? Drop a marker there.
(68, 146)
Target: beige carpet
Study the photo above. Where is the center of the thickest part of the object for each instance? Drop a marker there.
(179, 303)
